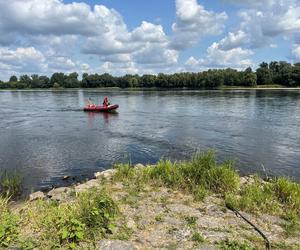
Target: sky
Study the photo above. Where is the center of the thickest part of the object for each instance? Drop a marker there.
(145, 37)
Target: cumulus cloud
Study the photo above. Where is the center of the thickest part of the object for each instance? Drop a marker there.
(262, 21)
(296, 52)
(234, 40)
(23, 59)
(29, 60)
(216, 57)
(50, 17)
(194, 22)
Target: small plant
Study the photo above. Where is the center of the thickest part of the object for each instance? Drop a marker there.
(10, 184)
(197, 237)
(200, 193)
(159, 217)
(191, 221)
(97, 211)
(72, 232)
(234, 245)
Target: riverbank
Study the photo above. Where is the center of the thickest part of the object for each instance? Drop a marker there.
(181, 205)
(258, 87)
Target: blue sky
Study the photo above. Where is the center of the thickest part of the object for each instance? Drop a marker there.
(137, 37)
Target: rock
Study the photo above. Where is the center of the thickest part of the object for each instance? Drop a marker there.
(139, 165)
(107, 174)
(87, 185)
(59, 194)
(36, 196)
(131, 224)
(114, 245)
(66, 177)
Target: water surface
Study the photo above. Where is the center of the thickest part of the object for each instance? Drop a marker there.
(46, 135)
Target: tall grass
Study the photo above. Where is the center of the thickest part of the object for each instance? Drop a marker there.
(10, 184)
(200, 175)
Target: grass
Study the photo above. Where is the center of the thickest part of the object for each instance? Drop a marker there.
(8, 224)
(10, 184)
(89, 217)
(234, 245)
(199, 176)
(93, 215)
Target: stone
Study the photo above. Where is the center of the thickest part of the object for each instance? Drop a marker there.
(115, 245)
(59, 194)
(107, 174)
(87, 185)
(139, 165)
(131, 224)
(36, 196)
(66, 177)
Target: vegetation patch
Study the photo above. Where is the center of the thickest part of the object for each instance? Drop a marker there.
(10, 184)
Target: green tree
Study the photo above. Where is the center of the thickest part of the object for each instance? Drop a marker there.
(264, 75)
(13, 79)
(249, 77)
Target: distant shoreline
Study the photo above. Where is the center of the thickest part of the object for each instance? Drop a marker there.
(159, 89)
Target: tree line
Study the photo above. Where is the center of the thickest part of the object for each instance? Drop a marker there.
(282, 73)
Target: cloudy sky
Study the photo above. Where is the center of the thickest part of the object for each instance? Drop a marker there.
(135, 36)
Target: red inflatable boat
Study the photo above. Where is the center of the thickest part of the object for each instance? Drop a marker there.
(98, 108)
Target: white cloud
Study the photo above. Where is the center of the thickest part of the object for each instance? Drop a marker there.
(119, 68)
(29, 60)
(148, 32)
(252, 3)
(194, 22)
(296, 53)
(234, 40)
(237, 58)
(50, 17)
(23, 59)
(265, 20)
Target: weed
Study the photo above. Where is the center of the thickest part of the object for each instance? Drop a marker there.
(234, 245)
(191, 221)
(197, 237)
(159, 217)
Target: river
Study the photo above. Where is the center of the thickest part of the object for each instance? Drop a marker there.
(45, 135)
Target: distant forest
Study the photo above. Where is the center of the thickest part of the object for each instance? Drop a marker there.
(281, 73)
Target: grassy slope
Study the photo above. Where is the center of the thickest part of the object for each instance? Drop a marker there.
(185, 202)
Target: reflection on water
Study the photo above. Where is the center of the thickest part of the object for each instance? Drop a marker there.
(45, 134)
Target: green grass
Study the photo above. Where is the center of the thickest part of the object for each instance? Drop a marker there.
(234, 245)
(8, 224)
(89, 217)
(197, 237)
(10, 184)
(199, 176)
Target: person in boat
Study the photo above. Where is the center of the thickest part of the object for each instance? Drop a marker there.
(106, 102)
(89, 103)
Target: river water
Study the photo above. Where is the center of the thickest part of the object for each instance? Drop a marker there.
(45, 135)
